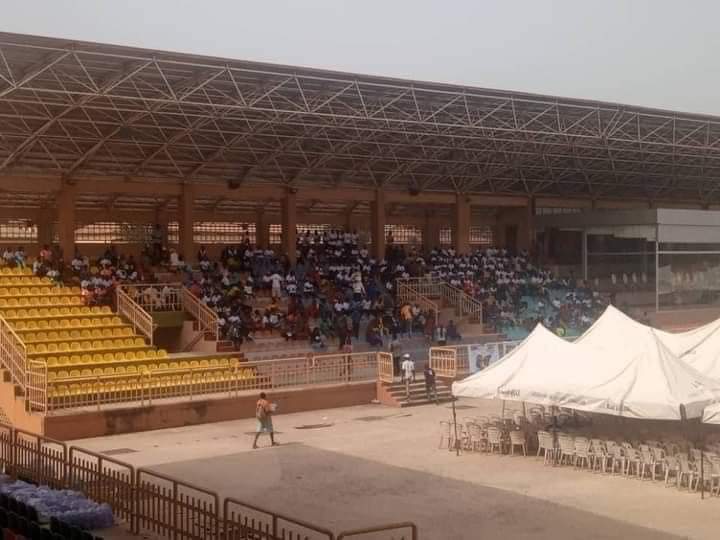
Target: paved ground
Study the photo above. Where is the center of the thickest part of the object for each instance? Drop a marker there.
(375, 464)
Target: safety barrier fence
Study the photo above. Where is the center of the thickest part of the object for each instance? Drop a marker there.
(160, 506)
(141, 320)
(13, 354)
(207, 319)
(147, 385)
(36, 392)
(407, 294)
(428, 289)
(154, 297)
(399, 531)
(386, 368)
(459, 360)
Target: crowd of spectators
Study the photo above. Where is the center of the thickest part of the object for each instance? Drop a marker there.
(336, 291)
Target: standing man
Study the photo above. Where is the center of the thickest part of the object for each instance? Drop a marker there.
(263, 413)
(408, 372)
(430, 386)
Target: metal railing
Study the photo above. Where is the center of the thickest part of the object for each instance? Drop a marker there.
(399, 531)
(13, 354)
(444, 361)
(426, 289)
(154, 297)
(141, 321)
(146, 385)
(146, 502)
(36, 378)
(406, 294)
(207, 319)
(243, 520)
(386, 367)
(170, 508)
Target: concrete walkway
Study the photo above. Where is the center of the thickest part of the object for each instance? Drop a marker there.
(374, 464)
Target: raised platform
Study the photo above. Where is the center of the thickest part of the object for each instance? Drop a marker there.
(168, 413)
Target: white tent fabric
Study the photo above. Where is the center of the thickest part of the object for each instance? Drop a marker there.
(616, 332)
(712, 414)
(636, 381)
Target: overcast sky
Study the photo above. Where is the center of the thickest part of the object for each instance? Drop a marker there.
(656, 53)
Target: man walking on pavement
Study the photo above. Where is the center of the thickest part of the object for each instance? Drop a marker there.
(408, 372)
(430, 386)
(263, 413)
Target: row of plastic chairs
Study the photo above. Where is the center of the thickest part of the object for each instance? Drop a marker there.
(85, 333)
(102, 320)
(98, 359)
(35, 313)
(140, 367)
(59, 391)
(79, 346)
(23, 281)
(41, 301)
(649, 460)
(15, 271)
(47, 289)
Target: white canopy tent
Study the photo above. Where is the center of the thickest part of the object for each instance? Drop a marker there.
(619, 334)
(646, 381)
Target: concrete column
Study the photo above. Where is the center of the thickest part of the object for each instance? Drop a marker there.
(44, 226)
(461, 229)
(584, 252)
(431, 231)
(289, 225)
(66, 221)
(262, 232)
(162, 218)
(377, 226)
(186, 220)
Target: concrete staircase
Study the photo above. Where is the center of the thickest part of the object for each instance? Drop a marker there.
(394, 395)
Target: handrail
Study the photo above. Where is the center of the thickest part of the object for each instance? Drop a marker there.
(13, 354)
(407, 293)
(207, 319)
(394, 528)
(140, 319)
(37, 380)
(160, 302)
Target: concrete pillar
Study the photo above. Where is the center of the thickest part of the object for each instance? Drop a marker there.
(431, 231)
(461, 229)
(289, 225)
(186, 220)
(262, 232)
(377, 225)
(162, 218)
(66, 221)
(584, 254)
(45, 226)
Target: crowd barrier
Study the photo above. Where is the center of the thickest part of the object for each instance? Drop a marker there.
(153, 504)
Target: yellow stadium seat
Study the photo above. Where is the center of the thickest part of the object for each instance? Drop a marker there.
(62, 374)
(194, 364)
(120, 370)
(86, 372)
(163, 365)
(118, 356)
(86, 359)
(184, 364)
(140, 355)
(96, 371)
(139, 342)
(52, 375)
(129, 355)
(204, 363)
(98, 358)
(52, 361)
(161, 353)
(108, 370)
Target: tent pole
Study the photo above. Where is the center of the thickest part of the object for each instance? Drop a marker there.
(657, 269)
(502, 411)
(457, 442)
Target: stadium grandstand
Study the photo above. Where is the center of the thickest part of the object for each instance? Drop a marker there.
(181, 232)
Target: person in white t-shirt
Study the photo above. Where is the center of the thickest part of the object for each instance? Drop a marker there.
(276, 280)
(407, 373)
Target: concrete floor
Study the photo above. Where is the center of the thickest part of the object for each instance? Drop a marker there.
(375, 465)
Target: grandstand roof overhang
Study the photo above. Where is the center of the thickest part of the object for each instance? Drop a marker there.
(118, 116)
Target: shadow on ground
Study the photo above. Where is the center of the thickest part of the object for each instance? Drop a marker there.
(343, 492)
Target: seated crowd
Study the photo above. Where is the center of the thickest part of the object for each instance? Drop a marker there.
(337, 290)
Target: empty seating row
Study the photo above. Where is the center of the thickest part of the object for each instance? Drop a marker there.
(105, 321)
(42, 313)
(143, 367)
(15, 271)
(24, 281)
(98, 359)
(41, 301)
(128, 385)
(119, 344)
(47, 289)
(86, 333)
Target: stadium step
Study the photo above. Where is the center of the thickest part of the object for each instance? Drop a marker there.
(396, 394)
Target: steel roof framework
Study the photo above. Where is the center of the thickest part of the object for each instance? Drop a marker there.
(83, 110)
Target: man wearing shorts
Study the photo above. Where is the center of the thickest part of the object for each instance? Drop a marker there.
(263, 414)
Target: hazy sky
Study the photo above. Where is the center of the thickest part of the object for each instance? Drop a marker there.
(657, 53)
